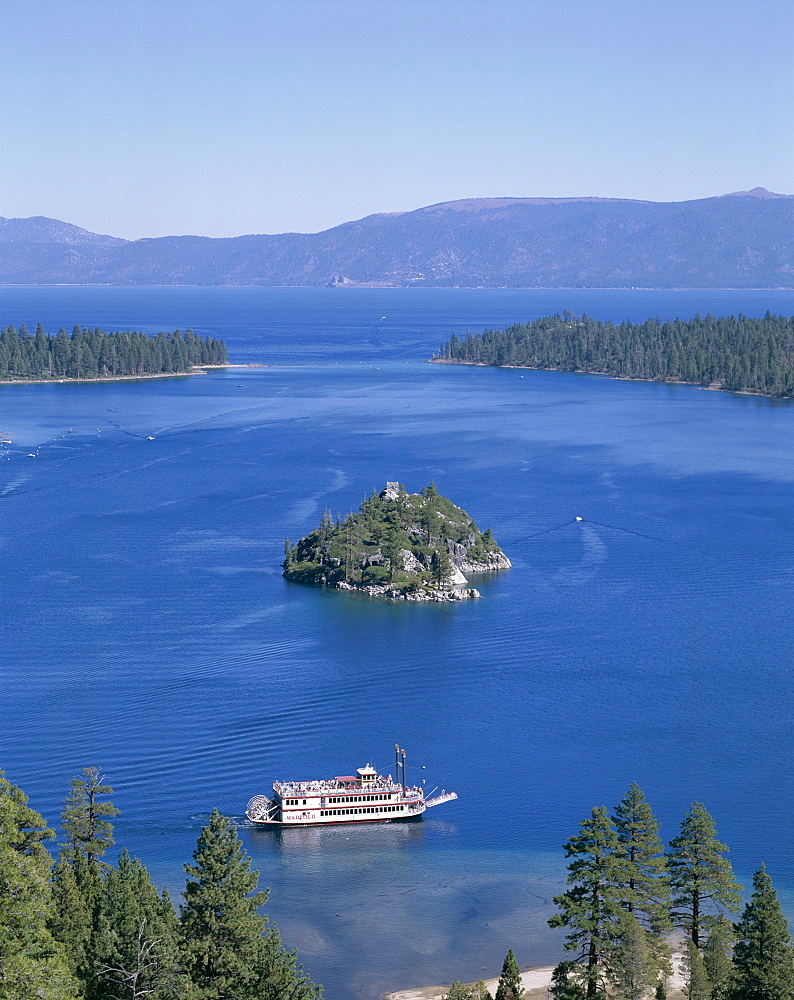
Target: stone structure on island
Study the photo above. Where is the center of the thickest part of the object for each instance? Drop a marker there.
(398, 546)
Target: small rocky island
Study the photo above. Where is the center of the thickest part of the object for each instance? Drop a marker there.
(399, 546)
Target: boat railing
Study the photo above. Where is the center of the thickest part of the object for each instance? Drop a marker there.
(301, 788)
(437, 800)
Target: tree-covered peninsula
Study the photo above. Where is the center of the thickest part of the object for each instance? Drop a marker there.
(737, 353)
(409, 546)
(93, 354)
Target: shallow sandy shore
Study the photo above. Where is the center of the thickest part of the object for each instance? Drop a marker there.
(531, 980)
(535, 982)
(196, 370)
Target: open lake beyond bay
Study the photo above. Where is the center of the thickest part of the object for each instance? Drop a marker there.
(146, 627)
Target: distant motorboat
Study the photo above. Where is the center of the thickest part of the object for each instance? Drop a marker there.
(151, 439)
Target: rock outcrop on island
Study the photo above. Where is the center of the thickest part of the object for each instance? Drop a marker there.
(398, 545)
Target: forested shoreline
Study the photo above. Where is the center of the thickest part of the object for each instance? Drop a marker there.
(737, 353)
(80, 928)
(626, 894)
(92, 353)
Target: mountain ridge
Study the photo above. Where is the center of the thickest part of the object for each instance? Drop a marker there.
(744, 239)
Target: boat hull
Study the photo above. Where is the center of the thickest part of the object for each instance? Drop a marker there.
(335, 822)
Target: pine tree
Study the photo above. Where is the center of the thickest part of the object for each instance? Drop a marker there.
(84, 815)
(648, 882)
(278, 975)
(32, 963)
(763, 959)
(440, 566)
(701, 878)
(136, 940)
(458, 991)
(510, 987)
(25, 829)
(593, 906)
(226, 953)
(76, 889)
(563, 985)
(696, 980)
(633, 970)
(220, 926)
(716, 957)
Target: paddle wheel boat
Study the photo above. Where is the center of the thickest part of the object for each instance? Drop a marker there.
(365, 797)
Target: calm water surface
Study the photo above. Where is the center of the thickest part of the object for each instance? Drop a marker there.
(147, 628)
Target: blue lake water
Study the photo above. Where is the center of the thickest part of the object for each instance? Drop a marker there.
(147, 629)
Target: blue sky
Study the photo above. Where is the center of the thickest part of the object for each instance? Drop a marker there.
(141, 118)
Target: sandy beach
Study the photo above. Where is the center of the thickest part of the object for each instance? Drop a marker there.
(196, 370)
(535, 982)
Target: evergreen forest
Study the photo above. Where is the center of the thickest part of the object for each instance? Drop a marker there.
(407, 541)
(738, 353)
(91, 354)
(628, 898)
(83, 928)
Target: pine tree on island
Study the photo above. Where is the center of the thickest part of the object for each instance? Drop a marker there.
(763, 958)
(701, 878)
(398, 545)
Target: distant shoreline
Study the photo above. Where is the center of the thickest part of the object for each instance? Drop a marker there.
(617, 378)
(356, 285)
(195, 370)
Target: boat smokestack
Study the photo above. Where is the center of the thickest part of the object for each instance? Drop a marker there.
(397, 763)
(405, 792)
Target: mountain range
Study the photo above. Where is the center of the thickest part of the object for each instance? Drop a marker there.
(739, 240)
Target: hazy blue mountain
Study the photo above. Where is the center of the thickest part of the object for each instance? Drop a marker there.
(739, 240)
(39, 229)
